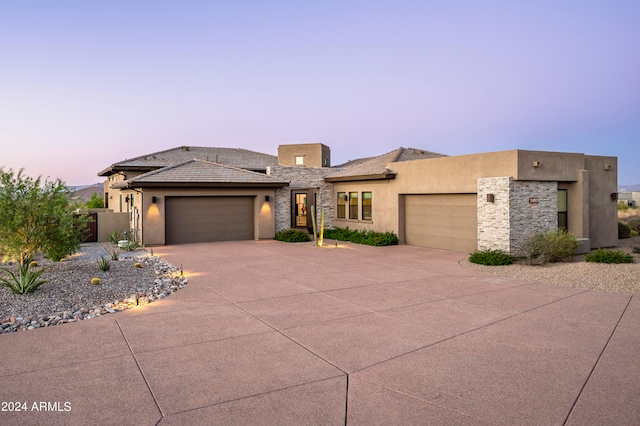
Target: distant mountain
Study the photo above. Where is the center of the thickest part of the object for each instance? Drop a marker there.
(629, 188)
(83, 193)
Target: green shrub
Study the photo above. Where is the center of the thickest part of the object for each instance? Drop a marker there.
(340, 234)
(104, 263)
(549, 246)
(491, 257)
(292, 236)
(370, 238)
(608, 256)
(624, 231)
(623, 207)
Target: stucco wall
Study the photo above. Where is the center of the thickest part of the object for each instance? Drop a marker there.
(603, 181)
(385, 214)
(302, 178)
(314, 155)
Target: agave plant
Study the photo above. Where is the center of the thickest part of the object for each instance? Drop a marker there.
(104, 263)
(25, 281)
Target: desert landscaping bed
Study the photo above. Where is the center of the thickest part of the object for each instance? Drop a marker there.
(69, 296)
(616, 278)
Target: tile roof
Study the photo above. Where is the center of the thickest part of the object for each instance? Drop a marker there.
(372, 167)
(237, 157)
(201, 173)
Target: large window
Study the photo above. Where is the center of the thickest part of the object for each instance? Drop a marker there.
(353, 205)
(366, 206)
(342, 205)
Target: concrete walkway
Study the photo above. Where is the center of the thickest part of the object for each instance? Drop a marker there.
(277, 333)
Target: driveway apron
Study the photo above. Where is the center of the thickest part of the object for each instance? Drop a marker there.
(276, 333)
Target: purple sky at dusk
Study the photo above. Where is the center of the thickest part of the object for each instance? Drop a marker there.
(86, 84)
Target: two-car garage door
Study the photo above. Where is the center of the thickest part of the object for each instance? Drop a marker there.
(446, 221)
(204, 219)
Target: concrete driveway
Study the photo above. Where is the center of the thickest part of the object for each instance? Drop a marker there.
(276, 333)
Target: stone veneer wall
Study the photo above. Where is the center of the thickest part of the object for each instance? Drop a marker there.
(520, 209)
(302, 178)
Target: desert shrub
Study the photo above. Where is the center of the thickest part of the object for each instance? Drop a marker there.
(623, 207)
(292, 236)
(370, 238)
(549, 246)
(24, 281)
(130, 246)
(491, 257)
(624, 231)
(634, 224)
(114, 237)
(636, 249)
(608, 256)
(104, 263)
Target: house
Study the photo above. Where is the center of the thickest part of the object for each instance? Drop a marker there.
(462, 203)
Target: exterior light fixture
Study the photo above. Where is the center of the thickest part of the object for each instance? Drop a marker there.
(607, 167)
(614, 196)
(154, 199)
(490, 198)
(345, 197)
(266, 198)
(536, 164)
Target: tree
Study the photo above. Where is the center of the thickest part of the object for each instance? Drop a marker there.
(95, 202)
(35, 216)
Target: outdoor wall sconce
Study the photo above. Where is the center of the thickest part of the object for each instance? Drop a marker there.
(154, 199)
(614, 196)
(345, 197)
(490, 198)
(266, 198)
(607, 167)
(536, 164)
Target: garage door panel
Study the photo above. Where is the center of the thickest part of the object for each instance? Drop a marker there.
(205, 219)
(446, 221)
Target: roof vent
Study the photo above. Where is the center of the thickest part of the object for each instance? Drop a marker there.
(185, 148)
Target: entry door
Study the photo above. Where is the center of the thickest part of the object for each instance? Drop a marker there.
(300, 210)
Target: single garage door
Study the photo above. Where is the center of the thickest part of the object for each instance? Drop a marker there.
(445, 221)
(204, 219)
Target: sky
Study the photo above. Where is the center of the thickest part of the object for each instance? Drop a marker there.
(86, 84)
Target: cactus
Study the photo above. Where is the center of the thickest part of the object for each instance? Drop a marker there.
(318, 238)
(95, 281)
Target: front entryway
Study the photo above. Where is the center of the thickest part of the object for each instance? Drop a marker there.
(301, 202)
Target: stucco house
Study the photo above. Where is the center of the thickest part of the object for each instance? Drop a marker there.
(460, 203)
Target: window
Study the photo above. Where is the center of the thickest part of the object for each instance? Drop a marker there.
(366, 206)
(342, 205)
(562, 209)
(299, 160)
(353, 205)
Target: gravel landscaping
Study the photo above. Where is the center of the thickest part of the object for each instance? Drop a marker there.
(69, 296)
(617, 278)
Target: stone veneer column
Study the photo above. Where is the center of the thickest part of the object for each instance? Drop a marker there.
(519, 210)
(302, 178)
(493, 217)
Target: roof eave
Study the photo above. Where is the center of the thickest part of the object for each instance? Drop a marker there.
(381, 176)
(203, 185)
